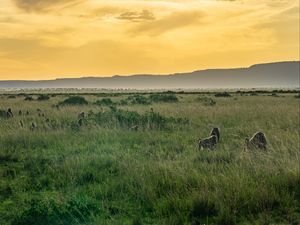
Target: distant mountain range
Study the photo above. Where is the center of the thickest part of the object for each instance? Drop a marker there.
(269, 75)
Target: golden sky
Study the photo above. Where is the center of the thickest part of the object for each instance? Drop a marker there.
(47, 39)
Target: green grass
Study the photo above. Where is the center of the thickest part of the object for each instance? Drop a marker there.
(105, 173)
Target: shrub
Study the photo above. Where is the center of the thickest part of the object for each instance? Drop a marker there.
(28, 98)
(207, 101)
(253, 93)
(74, 100)
(43, 98)
(222, 94)
(163, 98)
(105, 101)
(129, 118)
(274, 95)
(122, 118)
(11, 96)
(138, 99)
(123, 102)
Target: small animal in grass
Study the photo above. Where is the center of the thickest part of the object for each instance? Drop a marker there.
(216, 131)
(33, 126)
(208, 143)
(9, 113)
(257, 141)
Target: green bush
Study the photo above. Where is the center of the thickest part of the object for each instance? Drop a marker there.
(43, 98)
(123, 102)
(274, 95)
(223, 94)
(104, 102)
(122, 118)
(163, 98)
(117, 117)
(206, 101)
(74, 100)
(28, 98)
(138, 99)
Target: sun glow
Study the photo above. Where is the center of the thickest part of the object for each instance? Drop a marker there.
(45, 39)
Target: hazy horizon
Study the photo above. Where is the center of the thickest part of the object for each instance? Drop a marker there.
(145, 73)
(277, 74)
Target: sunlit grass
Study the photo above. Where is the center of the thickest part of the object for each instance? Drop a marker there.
(98, 174)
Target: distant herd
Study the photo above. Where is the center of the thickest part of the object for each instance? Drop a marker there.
(257, 141)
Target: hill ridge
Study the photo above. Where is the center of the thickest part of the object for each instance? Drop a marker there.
(275, 74)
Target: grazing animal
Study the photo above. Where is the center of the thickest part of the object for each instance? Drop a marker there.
(209, 142)
(258, 140)
(20, 112)
(9, 113)
(33, 126)
(135, 128)
(216, 131)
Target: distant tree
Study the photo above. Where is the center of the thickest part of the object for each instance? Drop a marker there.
(43, 98)
(74, 100)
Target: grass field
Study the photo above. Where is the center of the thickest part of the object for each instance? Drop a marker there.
(103, 172)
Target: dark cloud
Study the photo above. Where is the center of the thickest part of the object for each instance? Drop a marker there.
(137, 16)
(43, 5)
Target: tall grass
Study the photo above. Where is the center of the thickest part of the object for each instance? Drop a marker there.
(105, 173)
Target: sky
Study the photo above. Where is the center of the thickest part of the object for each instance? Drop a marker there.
(48, 39)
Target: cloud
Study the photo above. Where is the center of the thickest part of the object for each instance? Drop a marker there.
(43, 5)
(137, 16)
(172, 21)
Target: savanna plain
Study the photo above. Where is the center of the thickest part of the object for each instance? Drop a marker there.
(133, 158)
